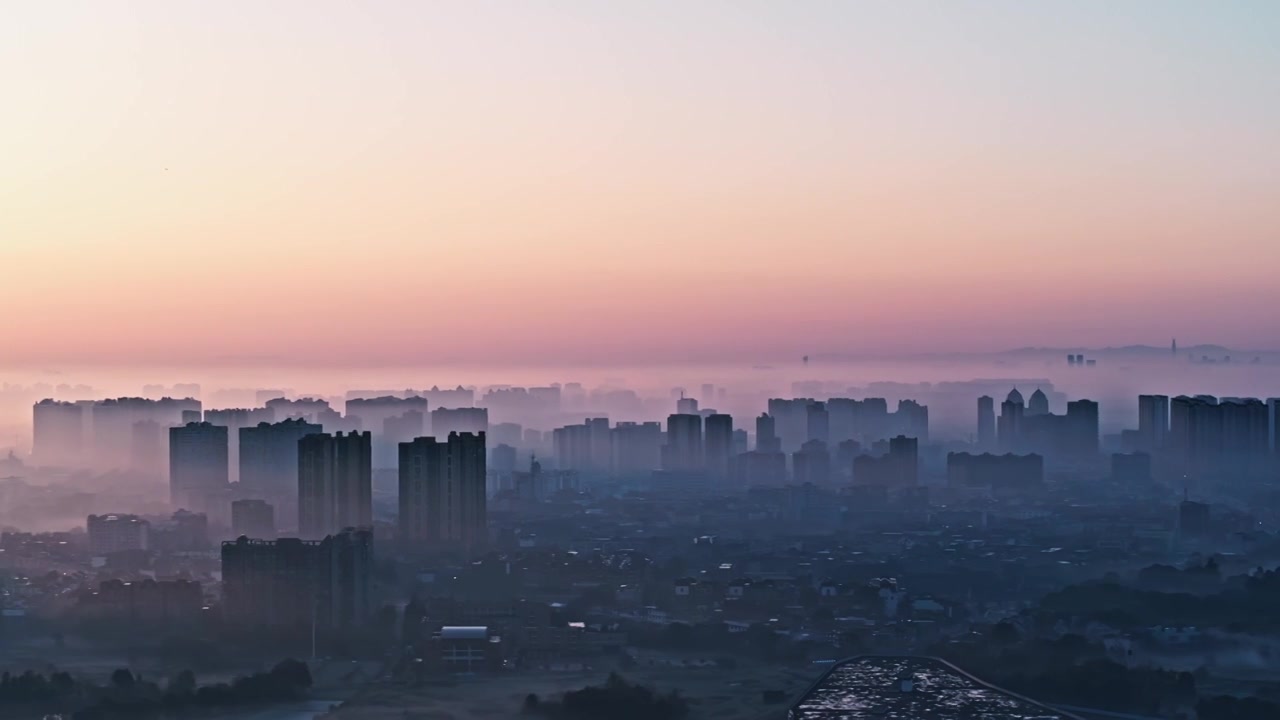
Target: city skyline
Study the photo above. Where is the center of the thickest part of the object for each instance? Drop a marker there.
(570, 182)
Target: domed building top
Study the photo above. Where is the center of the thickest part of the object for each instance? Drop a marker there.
(1038, 404)
(1014, 396)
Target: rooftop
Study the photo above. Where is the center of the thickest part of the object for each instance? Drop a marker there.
(873, 687)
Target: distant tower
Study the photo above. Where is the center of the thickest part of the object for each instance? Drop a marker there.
(805, 359)
(1173, 347)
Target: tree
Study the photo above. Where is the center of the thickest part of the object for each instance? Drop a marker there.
(122, 679)
(1005, 634)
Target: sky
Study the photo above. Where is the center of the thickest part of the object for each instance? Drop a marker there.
(354, 183)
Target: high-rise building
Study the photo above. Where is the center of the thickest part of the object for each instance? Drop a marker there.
(572, 447)
(147, 449)
(385, 417)
(1195, 430)
(236, 419)
(686, 406)
(637, 448)
(791, 421)
(335, 483)
(198, 468)
(683, 450)
(899, 468)
(269, 464)
(58, 433)
(760, 469)
(1038, 404)
(301, 586)
(817, 422)
(117, 533)
(999, 472)
(1153, 421)
(1273, 424)
(911, 419)
(718, 446)
(812, 464)
(112, 420)
(767, 435)
(1009, 426)
(1245, 427)
(442, 493)
(253, 518)
(986, 423)
(1082, 428)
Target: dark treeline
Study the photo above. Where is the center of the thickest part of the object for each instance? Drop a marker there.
(1244, 603)
(128, 695)
(617, 699)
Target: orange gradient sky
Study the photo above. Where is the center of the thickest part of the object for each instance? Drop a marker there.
(395, 182)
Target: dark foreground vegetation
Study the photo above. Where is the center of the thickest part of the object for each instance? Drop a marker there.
(617, 699)
(129, 695)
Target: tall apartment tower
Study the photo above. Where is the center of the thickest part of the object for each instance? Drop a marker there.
(683, 451)
(442, 492)
(58, 433)
(335, 483)
(719, 445)
(1153, 421)
(767, 434)
(986, 423)
(198, 468)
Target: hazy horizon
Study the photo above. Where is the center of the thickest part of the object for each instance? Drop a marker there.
(569, 182)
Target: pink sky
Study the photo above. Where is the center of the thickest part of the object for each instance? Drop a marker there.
(563, 181)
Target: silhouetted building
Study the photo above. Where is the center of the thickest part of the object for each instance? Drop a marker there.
(112, 421)
(817, 423)
(636, 448)
(1082, 428)
(683, 449)
(335, 483)
(1038, 404)
(58, 433)
(1153, 421)
(442, 493)
(899, 468)
(998, 472)
(1009, 426)
(117, 533)
(1245, 428)
(269, 463)
(253, 518)
(986, 423)
(143, 604)
(393, 420)
(1195, 431)
(198, 468)
(718, 446)
(296, 585)
(759, 468)
(147, 449)
(812, 464)
(235, 420)
(766, 435)
(585, 448)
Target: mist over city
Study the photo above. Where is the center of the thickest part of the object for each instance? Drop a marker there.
(574, 360)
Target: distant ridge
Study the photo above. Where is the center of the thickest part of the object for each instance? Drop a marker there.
(1133, 350)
